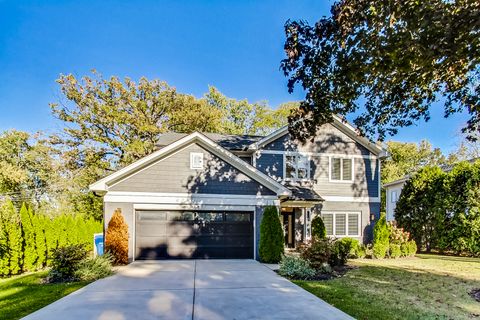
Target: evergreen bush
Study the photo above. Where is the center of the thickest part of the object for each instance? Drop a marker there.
(318, 228)
(296, 268)
(65, 262)
(381, 237)
(116, 238)
(271, 244)
(91, 269)
(394, 251)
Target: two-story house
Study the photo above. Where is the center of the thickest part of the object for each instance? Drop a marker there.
(203, 195)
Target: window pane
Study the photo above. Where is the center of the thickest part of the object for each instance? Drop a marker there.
(335, 169)
(302, 165)
(210, 216)
(328, 222)
(152, 215)
(290, 167)
(245, 217)
(181, 216)
(353, 224)
(340, 219)
(347, 169)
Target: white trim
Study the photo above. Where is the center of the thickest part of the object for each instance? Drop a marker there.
(162, 206)
(350, 199)
(195, 195)
(379, 177)
(103, 184)
(271, 137)
(190, 199)
(255, 234)
(334, 213)
(319, 154)
(341, 170)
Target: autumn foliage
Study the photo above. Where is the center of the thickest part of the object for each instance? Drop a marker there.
(116, 238)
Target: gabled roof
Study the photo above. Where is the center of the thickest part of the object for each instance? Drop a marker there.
(338, 123)
(214, 148)
(227, 141)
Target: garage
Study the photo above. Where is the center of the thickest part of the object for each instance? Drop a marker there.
(193, 234)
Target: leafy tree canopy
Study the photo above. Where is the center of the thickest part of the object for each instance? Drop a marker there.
(407, 158)
(386, 62)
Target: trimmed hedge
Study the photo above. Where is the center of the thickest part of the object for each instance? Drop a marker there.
(28, 238)
(271, 244)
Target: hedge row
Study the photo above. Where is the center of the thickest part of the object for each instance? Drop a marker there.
(441, 210)
(28, 238)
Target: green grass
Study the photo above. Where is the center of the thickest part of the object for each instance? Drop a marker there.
(21, 295)
(424, 287)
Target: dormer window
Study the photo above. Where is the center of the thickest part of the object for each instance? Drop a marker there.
(196, 160)
(297, 167)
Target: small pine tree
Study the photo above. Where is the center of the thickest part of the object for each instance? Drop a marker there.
(381, 237)
(116, 238)
(271, 244)
(318, 228)
(29, 250)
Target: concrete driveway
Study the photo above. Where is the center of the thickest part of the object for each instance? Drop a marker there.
(191, 289)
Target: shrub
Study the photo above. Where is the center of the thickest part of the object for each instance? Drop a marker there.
(381, 237)
(116, 238)
(409, 248)
(395, 251)
(317, 252)
(340, 251)
(354, 247)
(65, 262)
(296, 268)
(271, 236)
(318, 228)
(94, 268)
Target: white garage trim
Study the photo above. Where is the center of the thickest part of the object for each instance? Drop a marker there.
(191, 199)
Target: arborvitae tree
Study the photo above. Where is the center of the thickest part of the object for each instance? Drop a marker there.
(318, 228)
(12, 261)
(39, 222)
(116, 238)
(271, 244)
(381, 237)
(29, 251)
(4, 244)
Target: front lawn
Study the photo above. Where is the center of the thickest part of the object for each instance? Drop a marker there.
(424, 287)
(21, 295)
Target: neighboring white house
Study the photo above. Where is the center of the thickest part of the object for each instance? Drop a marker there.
(392, 193)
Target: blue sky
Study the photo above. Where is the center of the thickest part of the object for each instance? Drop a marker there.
(235, 46)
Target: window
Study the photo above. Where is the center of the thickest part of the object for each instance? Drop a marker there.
(342, 224)
(297, 167)
(341, 169)
(393, 197)
(196, 160)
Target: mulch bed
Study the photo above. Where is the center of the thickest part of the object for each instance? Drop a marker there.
(475, 294)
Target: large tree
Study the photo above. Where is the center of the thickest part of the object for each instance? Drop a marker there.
(27, 167)
(386, 62)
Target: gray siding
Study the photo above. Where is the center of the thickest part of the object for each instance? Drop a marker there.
(365, 178)
(327, 140)
(173, 175)
(271, 165)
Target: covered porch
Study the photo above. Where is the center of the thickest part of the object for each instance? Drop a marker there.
(297, 213)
